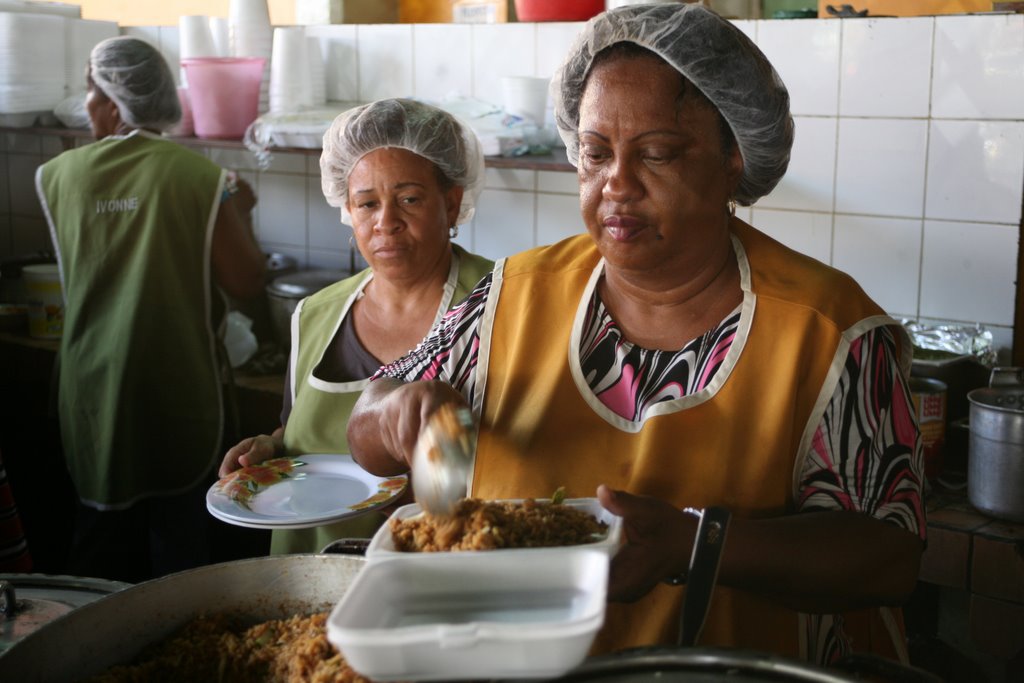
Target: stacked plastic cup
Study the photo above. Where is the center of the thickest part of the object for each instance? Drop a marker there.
(291, 88)
(250, 35)
(219, 31)
(194, 40)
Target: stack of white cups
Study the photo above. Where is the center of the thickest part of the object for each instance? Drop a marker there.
(250, 35)
(219, 31)
(317, 72)
(194, 39)
(291, 88)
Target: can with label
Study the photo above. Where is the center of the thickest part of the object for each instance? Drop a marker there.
(929, 397)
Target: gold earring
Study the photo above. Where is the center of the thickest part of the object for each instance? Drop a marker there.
(453, 231)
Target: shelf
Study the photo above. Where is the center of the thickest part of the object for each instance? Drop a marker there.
(556, 161)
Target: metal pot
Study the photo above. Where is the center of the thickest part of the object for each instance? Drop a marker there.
(698, 665)
(114, 629)
(711, 664)
(285, 292)
(995, 462)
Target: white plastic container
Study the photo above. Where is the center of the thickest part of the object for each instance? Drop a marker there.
(448, 616)
(45, 301)
(383, 545)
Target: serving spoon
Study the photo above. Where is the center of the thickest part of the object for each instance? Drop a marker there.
(442, 459)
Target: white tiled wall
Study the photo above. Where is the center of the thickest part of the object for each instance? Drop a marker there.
(907, 171)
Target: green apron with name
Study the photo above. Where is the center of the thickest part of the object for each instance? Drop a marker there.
(318, 422)
(131, 219)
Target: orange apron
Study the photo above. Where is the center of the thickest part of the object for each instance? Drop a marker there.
(739, 443)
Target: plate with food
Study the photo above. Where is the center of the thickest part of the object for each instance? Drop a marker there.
(296, 493)
(502, 525)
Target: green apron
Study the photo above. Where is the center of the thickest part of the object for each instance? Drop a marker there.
(139, 399)
(318, 421)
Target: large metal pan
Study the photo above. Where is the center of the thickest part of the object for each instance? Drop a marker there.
(115, 628)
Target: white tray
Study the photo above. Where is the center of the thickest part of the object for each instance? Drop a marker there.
(448, 616)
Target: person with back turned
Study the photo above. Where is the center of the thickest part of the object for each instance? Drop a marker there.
(148, 236)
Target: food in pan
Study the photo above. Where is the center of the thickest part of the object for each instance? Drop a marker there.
(220, 648)
(480, 525)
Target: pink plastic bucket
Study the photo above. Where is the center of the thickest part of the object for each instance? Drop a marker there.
(224, 93)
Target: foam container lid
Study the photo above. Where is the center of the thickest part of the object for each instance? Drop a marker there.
(382, 544)
(449, 616)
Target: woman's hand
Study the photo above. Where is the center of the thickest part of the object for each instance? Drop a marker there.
(252, 451)
(244, 197)
(406, 410)
(386, 421)
(658, 542)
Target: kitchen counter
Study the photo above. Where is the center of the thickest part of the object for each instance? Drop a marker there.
(271, 384)
(982, 559)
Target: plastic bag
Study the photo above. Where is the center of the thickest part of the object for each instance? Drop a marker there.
(239, 340)
(500, 133)
(71, 111)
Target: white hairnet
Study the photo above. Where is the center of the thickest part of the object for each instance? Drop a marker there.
(133, 74)
(432, 133)
(712, 54)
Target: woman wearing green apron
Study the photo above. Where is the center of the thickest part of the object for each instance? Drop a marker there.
(405, 176)
(146, 234)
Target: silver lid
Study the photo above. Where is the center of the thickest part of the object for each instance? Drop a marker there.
(29, 601)
(304, 282)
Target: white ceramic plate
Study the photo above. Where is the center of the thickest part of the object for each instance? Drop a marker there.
(302, 492)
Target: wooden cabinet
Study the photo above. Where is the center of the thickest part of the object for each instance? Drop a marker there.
(425, 11)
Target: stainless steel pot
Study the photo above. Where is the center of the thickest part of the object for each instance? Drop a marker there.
(284, 294)
(995, 462)
(115, 628)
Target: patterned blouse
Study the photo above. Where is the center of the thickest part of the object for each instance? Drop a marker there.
(864, 455)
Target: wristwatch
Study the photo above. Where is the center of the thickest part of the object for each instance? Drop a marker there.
(680, 578)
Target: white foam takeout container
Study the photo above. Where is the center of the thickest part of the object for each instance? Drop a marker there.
(471, 615)
(382, 544)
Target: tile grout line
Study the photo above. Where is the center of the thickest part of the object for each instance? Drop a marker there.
(835, 160)
(927, 155)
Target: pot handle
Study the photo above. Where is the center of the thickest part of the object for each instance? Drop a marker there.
(1009, 376)
(347, 546)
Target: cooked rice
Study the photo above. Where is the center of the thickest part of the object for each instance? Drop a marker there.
(220, 649)
(479, 525)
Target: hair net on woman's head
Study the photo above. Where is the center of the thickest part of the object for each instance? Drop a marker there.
(133, 74)
(432, 133)
(712, 54)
